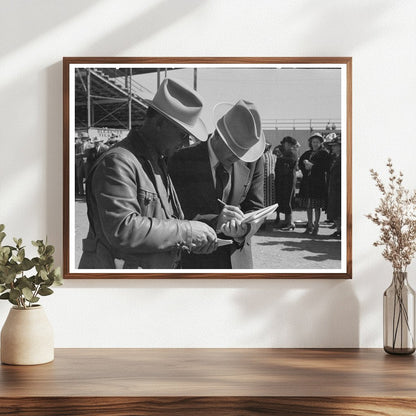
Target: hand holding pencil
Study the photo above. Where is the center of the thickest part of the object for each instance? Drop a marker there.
(230, 221)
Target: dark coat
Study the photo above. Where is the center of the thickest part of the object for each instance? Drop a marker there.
(285, 180)
(130, 214)
(334, 190)
(314, 182)
(190, 170)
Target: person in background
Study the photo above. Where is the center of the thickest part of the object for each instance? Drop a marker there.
(94, 152)
(81, 145)
(135, 218)
(334, 186)
(229, 167)
(285, 181)
(269, 178)
(313, 193)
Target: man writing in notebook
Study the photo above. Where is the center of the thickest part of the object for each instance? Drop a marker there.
(219, 181)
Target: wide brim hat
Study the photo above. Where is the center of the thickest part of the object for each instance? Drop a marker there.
(180, 105)
(241, 130)
(84, 136)
(336, 140)
(318, 136)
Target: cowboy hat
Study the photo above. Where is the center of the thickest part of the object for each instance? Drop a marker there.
(181, 105)
(240, 129)
(334, 141)
(84, 136)
(318, 136)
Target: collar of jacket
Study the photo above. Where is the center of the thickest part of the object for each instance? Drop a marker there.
(142, 146)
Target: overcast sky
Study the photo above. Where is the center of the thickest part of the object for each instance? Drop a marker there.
(277, 93)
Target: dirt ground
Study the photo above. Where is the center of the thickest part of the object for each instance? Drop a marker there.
(272, 249)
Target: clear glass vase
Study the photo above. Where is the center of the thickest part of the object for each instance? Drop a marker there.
(399, 316)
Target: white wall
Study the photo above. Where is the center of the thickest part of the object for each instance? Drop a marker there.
(380, 35)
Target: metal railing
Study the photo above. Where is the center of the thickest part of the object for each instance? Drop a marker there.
(301, 124)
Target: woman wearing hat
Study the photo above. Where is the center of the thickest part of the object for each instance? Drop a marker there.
(314, 164)
(285, 180)
(334, 188)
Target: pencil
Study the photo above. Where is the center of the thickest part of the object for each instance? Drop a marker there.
(221, 202)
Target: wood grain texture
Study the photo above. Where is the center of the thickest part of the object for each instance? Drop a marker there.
(204, 60)
(207, 406)
(212, 381)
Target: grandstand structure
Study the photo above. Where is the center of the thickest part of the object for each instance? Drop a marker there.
(110, 101)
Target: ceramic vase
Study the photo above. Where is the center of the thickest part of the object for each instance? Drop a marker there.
(27, 337)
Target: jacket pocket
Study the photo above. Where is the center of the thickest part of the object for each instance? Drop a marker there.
(148, 202)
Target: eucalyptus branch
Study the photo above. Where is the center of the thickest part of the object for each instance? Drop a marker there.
(16, 284)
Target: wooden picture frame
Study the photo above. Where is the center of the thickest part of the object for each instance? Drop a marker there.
(79, 73)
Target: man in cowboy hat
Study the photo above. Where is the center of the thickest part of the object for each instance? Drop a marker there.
(228, 168)
(135, 218)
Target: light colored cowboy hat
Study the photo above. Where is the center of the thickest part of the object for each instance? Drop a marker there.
(84, 136)
(181, 105)
(240, 128)
(318, 136)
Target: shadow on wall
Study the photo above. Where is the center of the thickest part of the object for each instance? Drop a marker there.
(336, 17)
(301, 314)
(136, 30)
(40, 16)
(158, 17)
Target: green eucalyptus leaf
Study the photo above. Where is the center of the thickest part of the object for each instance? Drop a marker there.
(27, 293)
(26, 264)
(25, 282)
(49, 250)
(58, 280)
(43, 275)
(2, 288)
(9, 277)
(37, 280)
(5, 295)
(15, 294)
(45, 291)
(34, 299)
(21, 255)
(2, 227)
(2, 236)
(13, 302)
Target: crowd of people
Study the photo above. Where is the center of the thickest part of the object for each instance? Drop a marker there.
(173, 195)
(319, 169)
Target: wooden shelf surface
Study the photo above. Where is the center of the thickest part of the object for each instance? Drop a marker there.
(220, 381)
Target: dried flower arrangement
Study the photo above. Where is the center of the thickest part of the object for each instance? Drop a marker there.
(396, 217)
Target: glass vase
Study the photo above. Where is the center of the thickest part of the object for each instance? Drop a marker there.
(399, 316)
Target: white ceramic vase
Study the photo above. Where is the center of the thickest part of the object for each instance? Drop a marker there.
(27, 337)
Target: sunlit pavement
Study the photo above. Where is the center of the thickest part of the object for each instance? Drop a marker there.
(272, 249)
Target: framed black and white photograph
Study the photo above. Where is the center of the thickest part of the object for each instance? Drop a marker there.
(207, 167)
